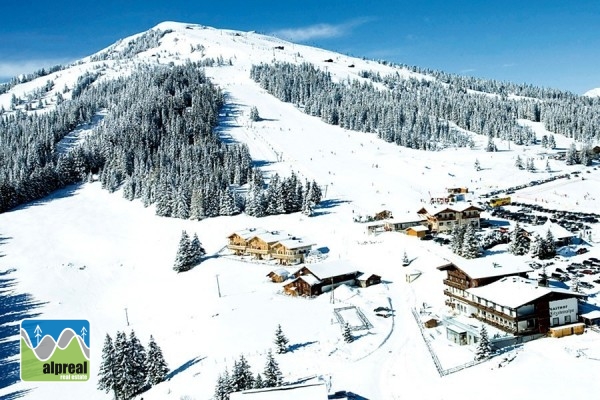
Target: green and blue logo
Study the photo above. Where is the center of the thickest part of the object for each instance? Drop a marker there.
(55, 350)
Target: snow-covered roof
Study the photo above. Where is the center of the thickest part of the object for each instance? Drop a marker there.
(317, 391)
(404, 218)
(273, 236)
(418, 228)
(479, 268)
(460, 206)
(515, 291)
(249, 233)
(310, 279)
(295, 243)
(280, 272)
(557, 231)
(328, 269)
(592, 314)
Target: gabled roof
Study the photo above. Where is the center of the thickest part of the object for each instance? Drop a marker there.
(478, 268)
(557, 231)
(280, 272)
(515, 291)
(330, 269)
(296, 243)
(460, 206)
(248, 233)
(272, 237)
(310, 279)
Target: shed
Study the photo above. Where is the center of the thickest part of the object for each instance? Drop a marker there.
(279, 275)
(418, 231)
(566, 330)
(367, 280)
(591, 318)
(430, 323)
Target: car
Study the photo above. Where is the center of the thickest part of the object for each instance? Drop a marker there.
(427, 237)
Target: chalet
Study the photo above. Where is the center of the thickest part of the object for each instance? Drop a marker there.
(290, 251)
(278, 275)
(441, 218)
(519, 306)
(399, 224)
(269, 244)
(475, 273)
(238, 241)
(366, 280)
(562, 236)
(318, 278)
(312, 391)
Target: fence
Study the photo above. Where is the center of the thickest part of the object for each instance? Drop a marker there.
(434, 357)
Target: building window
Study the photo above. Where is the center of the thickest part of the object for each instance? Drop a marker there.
(554, 321)
(531, 323)
(567, 319)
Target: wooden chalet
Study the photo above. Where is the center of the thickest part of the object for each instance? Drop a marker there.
(278, 275)
(238, 241)
(475, 273)
(318, 278)
(418, 231)
(442, 218)
(261, 245)
(290, 251)
(366, 280)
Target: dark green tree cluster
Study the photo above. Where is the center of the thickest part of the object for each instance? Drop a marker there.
(127, 368)
(189, 252)
(464, 241)
(242, 378)
(519, 243)
(543, 247)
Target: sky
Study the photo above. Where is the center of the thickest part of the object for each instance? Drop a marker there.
(545, 43)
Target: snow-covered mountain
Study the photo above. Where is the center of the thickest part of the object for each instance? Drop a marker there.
(86, 253)
(593, 92)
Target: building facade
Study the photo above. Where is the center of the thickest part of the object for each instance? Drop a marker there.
(443, 218)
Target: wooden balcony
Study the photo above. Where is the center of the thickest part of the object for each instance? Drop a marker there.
(454, 284)
(237, 247)
(252, 250)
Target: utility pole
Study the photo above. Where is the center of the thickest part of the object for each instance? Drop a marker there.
(218, 287)
(126, 316)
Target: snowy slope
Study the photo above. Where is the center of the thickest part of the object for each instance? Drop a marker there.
(593, 92)
(91, 254)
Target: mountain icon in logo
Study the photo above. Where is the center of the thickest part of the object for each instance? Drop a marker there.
(55, 350)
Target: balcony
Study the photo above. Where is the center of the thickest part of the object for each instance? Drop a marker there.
(237, 247)
(253, 250)
(454, 284)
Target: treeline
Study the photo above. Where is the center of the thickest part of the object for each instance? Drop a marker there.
(467, 100)
(359, 106)
(156, 142)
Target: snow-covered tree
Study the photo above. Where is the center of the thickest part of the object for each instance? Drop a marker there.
(484, 348)
(405, 260)
(184, 257)
(281, 341)
(258, 381)
(551, 142)
(223, 388)
(196, 250)
(519, 244)
(572, 156)
(254, 116)
(241, 377)
(519, 162)
(458, 233)
(137, 363)
(272, 376)
(156, 365)
(470, 246)
(536, 245)
(477, 165)
(549, 246)
(548, 169)
(106, 377)
(530, 164)
(347, 334)
(544, 141)
(491, 146)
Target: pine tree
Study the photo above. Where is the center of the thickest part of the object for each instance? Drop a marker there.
(272, 374)
(223, 388)
(106, 376)
(548, 169)
(258, 381)
(184, 258)
(196, 250)
(137, 361)
(484, 348)
(281, 342)
(519, 244)
(491, 146)
(536, 246)
(156, 365)
(471, 247)
(405, 260)
(519, 162)
(347, 334)
(549, 246)
(572, 157)
(544, 141)
(551, 142)
(254, 116)
(241, 377)
(477, 165)
(458, 233)
(124, 375)
(530, 165)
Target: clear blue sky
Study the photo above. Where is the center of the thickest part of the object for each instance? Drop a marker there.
(544, 42)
